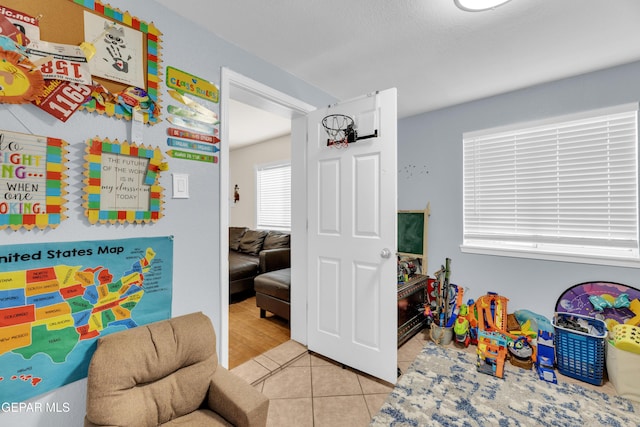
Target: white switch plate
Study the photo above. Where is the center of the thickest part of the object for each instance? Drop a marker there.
(180, 186)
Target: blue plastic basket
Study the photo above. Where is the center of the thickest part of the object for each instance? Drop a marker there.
(580, 355)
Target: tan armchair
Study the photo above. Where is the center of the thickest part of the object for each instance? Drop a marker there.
(167, 373)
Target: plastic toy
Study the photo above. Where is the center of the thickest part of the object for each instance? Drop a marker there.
(536, 321)
(634, 306)
(521, 353)
(461, 328)
(491, 352)
(600, 302)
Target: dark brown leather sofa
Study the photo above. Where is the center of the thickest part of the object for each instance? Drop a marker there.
(252, 252)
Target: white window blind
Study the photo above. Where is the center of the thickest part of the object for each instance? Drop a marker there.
(566, 186)
(274, 196)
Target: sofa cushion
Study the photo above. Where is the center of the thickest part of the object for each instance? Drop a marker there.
(275, 283)
(276, 240)
(251, 241)
(242, 266)
(235, 235)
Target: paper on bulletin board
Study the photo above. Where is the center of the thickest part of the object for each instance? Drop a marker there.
(25, 24)
(119, 51)
(65, 62)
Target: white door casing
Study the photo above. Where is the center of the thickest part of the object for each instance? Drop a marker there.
(351, 238)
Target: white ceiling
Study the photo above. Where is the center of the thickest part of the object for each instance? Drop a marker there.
(435, 54)
(249, 125)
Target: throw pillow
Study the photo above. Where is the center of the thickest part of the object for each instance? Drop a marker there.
(235, 234)
(251, 242)
(276, 240)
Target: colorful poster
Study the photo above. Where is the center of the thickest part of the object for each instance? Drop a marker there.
(56, 299)
(32, 185)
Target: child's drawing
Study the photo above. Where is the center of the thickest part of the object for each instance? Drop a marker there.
(119, 50)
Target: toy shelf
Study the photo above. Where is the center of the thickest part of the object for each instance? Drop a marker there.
(411, 319)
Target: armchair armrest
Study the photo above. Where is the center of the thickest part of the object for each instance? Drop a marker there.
(236, 400)
(275, 259)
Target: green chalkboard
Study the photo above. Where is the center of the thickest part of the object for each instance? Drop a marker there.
(411, 232)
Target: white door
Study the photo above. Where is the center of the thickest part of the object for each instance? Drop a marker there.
(352, 212)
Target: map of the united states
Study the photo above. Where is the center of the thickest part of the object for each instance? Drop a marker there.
(50, 310)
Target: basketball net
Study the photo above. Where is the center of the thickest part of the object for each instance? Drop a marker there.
(337, 126)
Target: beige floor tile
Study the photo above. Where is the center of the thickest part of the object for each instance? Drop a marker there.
(318, 360)
(286, 352)
(291, 382)
(304, 360)
(290, 412)
(371, 385)
(374, 402)
(404, 365)
(410, 349)
(267, 363)
(251, 371)
(340, 411)
(332, 380)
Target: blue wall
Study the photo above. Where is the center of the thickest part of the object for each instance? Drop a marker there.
(430, 170)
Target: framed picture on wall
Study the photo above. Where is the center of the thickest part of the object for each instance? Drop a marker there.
(122, 182)
(32, 181)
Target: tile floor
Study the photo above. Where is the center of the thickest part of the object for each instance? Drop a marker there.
(309, 390)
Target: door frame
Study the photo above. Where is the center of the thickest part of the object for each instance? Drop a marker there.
(236, 86)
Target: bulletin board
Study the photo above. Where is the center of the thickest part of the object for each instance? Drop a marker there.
(62, 21)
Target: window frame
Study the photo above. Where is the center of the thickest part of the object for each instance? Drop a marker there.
(264, 167)
(505, 244)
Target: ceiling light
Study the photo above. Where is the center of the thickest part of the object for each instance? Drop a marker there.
(479, 5)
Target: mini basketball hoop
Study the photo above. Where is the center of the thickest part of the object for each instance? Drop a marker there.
(340, 129)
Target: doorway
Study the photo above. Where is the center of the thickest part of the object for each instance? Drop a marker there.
(236, 87)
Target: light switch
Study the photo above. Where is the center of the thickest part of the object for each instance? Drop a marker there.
(180, 186)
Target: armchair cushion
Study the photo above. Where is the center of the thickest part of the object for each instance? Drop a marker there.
(157, 374)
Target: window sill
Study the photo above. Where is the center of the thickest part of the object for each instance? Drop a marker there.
(551, 256)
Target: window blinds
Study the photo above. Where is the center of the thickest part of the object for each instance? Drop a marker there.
(567, 185)
(274, 197)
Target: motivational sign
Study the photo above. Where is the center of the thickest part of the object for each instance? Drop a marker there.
(31, 180)
(122, 182)
(184, 82)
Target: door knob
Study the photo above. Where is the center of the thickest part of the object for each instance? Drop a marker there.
(386, 253)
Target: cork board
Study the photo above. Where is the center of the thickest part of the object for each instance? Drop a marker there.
(62, 21)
